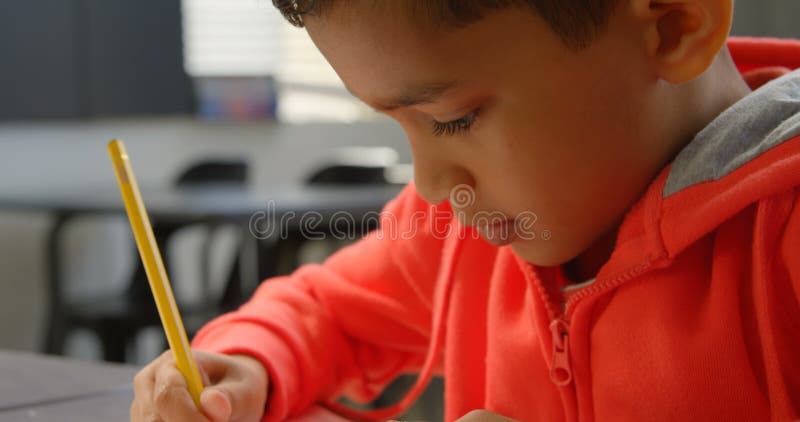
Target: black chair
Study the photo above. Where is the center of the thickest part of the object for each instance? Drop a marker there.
(116, 320)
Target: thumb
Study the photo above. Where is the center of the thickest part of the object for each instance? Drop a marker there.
(216, 404)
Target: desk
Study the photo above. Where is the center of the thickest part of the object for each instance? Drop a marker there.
(46, 389)
(38, 388)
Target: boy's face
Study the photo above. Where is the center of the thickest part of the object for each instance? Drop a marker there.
(535, 128)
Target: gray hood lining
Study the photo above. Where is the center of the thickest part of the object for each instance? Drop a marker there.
(762, 120)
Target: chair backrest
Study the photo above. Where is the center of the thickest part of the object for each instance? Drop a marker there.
(214, 171)
(356, 166)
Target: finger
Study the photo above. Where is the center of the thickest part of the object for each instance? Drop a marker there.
(143, 382)
(241, 392)
(230, 391)
(142, 407)
(213, 366)
(144, 379)
(171, 398)
(135, 412)
(216, 404)
(142, 393)
(140, 414)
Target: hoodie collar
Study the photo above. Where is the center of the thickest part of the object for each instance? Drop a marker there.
(748, 152)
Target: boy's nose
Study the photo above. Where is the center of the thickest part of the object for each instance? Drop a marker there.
(435, 182)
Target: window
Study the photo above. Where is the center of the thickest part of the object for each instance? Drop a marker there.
(250, 39)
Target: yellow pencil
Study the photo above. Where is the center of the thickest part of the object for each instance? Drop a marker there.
(156, 272)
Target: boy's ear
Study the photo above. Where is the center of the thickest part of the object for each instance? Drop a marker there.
(683, 37)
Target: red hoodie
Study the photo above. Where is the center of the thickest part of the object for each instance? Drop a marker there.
(696, 316)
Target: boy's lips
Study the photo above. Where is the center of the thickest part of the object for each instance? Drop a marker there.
(498, 233)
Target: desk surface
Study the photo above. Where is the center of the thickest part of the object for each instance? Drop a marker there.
(45, 389)
(36, 387)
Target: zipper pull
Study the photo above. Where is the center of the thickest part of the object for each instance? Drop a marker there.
(560, 370)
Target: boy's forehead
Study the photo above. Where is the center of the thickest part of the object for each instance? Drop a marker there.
(389, 63)
(371, 54)
(344, 28)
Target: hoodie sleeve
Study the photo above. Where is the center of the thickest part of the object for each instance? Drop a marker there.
(348, 326)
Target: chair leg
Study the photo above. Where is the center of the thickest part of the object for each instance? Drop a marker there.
(55, 332)
(232, 295)
(56, 335)
(114, 339)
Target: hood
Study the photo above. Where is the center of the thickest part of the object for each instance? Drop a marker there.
(749, 152)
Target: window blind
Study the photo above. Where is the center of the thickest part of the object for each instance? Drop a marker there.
(250, 38)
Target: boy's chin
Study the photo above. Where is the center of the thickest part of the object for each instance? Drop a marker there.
(541, 252)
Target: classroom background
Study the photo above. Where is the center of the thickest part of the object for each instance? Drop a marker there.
(229, 113)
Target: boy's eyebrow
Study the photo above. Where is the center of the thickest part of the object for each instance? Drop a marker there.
(422, 93)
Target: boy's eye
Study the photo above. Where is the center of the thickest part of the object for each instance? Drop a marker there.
(454, 127)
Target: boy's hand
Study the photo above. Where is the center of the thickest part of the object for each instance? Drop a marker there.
(235, 390)
(483, 416)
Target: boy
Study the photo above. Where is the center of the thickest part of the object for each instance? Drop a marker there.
(621, 231)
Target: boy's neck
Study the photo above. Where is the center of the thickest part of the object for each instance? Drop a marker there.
(693, 106)
(700, 101)
(588, 264)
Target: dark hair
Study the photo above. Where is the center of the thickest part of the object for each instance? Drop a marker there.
(576, 22)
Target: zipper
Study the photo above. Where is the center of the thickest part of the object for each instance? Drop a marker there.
(560, 369)
(560, 366)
